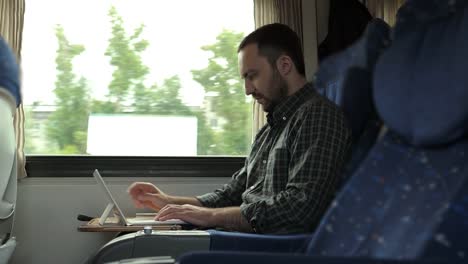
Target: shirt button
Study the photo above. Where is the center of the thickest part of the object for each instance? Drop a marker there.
(264, 161)
(284, 118)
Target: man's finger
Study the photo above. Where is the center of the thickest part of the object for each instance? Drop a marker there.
(150, 205)
(171, 215)
(140, 186)
(166, 210)
(137, 204)
(132, 187)
(146, 197)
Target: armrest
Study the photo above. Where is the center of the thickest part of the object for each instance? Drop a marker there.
(272, 258)
(7, 249)
(146, 260)
(231, 241)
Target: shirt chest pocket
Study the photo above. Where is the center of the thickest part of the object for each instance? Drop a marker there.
(277, 171)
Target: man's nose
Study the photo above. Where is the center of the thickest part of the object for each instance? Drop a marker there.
(249, 88)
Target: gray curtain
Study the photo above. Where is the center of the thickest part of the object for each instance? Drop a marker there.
(384, 9)
(288, 12)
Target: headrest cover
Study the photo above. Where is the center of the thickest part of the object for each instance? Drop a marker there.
(9, 72)
(421, 81)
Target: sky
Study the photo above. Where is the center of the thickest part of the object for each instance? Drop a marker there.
(175, 29)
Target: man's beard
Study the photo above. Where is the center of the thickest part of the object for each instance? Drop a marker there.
(280, 88)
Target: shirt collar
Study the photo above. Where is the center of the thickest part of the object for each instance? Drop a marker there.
(286, 108)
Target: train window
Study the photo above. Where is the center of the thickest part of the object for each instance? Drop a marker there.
(135, 78)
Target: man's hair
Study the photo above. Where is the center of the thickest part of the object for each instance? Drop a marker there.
(274, 40)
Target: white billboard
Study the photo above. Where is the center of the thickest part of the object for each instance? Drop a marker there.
(142, 135)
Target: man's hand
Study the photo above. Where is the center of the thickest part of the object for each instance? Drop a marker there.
(147, 195)
(227, 217)
(199, 216)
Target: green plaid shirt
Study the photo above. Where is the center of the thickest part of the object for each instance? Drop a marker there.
(292, 171)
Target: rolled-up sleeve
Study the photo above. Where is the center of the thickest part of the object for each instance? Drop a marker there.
(318, 147)
(229, 195)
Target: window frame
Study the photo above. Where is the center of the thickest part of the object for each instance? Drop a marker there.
(65, 166)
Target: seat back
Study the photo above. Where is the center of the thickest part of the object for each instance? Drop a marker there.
(408, 199)
(9, 99)
(346, 79)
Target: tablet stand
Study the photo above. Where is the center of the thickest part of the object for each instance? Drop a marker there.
(109, 208)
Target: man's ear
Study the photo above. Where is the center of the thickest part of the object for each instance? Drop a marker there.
(284, 64)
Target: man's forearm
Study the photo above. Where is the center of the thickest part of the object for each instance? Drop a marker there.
(183, 200)
(231, 218)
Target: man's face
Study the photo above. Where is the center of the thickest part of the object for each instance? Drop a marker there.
(261, 80)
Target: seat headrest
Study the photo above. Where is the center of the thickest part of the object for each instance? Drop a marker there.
(421, 81)
(363, 53)
(414, 11)
(9, 72)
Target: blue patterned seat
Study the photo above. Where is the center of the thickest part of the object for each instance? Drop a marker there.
(346, 79)
(395, 203)
(409, 198)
